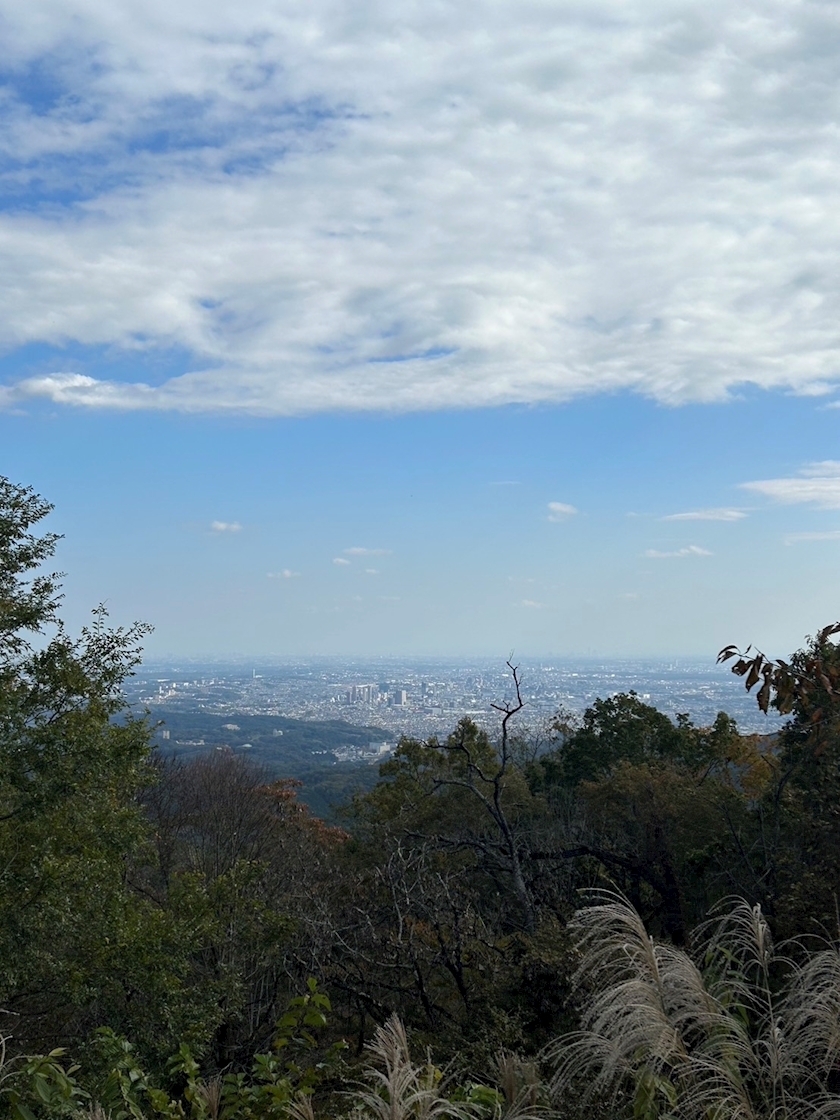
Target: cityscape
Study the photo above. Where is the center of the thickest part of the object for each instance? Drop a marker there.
(425, 698)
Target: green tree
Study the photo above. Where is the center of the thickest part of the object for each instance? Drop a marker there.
(71, 763)
(614, 731)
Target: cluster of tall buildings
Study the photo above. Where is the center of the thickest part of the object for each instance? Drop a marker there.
(371, 694)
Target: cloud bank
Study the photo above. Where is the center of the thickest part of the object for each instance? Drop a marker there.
(335, 206)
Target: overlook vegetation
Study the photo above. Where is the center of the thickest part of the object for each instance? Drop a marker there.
(195, 733)
(578, 925)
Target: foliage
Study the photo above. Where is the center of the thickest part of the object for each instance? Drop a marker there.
(800, 828)
(620, 729)
(294, 1067)
(39, 1084)
(810, 680)
(27, 602)
(69, 773)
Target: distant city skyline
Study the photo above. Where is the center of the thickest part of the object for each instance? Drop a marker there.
(364, 329)
(433, 694)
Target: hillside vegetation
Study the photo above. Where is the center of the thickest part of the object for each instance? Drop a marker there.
(278, 745)
(583, 927)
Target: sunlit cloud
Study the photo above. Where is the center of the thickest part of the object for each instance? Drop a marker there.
(321, 208)
(678, 553)
(286, 573)
(340, 561)
(225, 527)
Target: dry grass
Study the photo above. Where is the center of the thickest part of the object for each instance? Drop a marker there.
(395, 1088)
(713, 1036)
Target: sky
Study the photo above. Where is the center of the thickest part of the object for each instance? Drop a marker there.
(442, 328)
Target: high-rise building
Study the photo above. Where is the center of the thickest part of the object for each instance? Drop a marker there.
(362, 694)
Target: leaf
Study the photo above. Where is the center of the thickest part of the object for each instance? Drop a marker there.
(42, 1088)
(763, 695)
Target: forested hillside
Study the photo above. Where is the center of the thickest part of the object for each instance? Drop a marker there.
(281, 747)
(179, 936)
(268, 739)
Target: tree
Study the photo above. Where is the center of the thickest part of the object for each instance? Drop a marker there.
(71, 763)
(467, 794)
(453, 919)
(808, 682)
(241, 863)
(649, 805)
(799, 813)
(617, 730)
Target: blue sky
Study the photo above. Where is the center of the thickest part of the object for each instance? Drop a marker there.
(367, 328)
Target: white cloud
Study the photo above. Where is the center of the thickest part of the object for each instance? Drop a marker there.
(689, 550)
(707, 515)
(327, 207)
(367, 552)
(340, 561)
(560, 511)
(287, 573)
(816, 484)
(371, 571)
(225, 527)
(531, 604)
(828, 535)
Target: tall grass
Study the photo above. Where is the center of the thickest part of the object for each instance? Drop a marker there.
(734, 1030)
(397, 1088)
